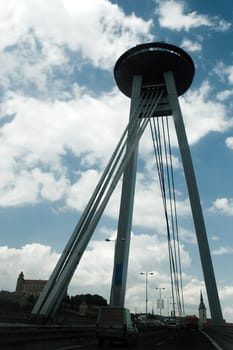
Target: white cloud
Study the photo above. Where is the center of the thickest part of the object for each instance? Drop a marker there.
(35, 260)
(228, 313)
(226, 295)
(192, 46)
(29, 66)
(222, 25)
(35, 143)
(202, 114)
(229, 142)
(77, 195)
(223, 206)
(94, 272)
(51, 188)
(42, 39)
(148, 206)
(215, 238)
(225, 72)
(172, 15)
(93, 275)
(38, 134)
(223, 251)
(224, 95)
(226, 292)
(187, 236)
(30, 186)
(192, 291)
(147, 253)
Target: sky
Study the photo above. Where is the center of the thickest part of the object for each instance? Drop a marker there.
(61, 116)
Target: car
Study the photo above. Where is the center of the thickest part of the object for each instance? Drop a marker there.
(114, 324)
(172, 324)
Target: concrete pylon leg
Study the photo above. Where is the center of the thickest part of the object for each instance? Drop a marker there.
(122, 245)
(207, 266)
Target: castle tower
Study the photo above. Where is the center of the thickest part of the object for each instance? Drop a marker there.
(202, 313)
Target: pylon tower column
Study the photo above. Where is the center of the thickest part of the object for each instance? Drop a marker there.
(121, 258)
(198, 219)
(170, 70)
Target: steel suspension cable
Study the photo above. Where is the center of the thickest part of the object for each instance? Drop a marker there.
(176, 238)
(173, 241)
(162, 144)
(143, 111)
(90, 208)
(171, 191)
(155, 131)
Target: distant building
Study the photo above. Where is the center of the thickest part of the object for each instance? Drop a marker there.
(29, 287)
(202, 313)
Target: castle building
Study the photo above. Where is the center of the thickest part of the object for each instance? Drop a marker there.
(29, 287)
(202, 313)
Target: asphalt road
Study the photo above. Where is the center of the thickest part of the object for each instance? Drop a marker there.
(183, 340)
(160, 340)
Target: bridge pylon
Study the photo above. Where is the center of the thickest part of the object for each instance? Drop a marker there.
(156, 68)
(153, 75)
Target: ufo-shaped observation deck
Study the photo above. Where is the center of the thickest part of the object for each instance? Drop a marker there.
(151, 61)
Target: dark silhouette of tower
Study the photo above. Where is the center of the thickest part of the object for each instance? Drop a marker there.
(19, 283)
(202, 313)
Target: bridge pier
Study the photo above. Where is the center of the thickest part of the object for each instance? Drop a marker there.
(122, 246)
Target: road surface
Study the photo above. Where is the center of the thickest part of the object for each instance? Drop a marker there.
(160, 340)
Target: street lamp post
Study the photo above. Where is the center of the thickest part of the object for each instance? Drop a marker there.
(160, 300)
(147, 273)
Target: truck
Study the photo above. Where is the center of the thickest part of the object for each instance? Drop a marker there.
(114, 324)
(191, 322)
